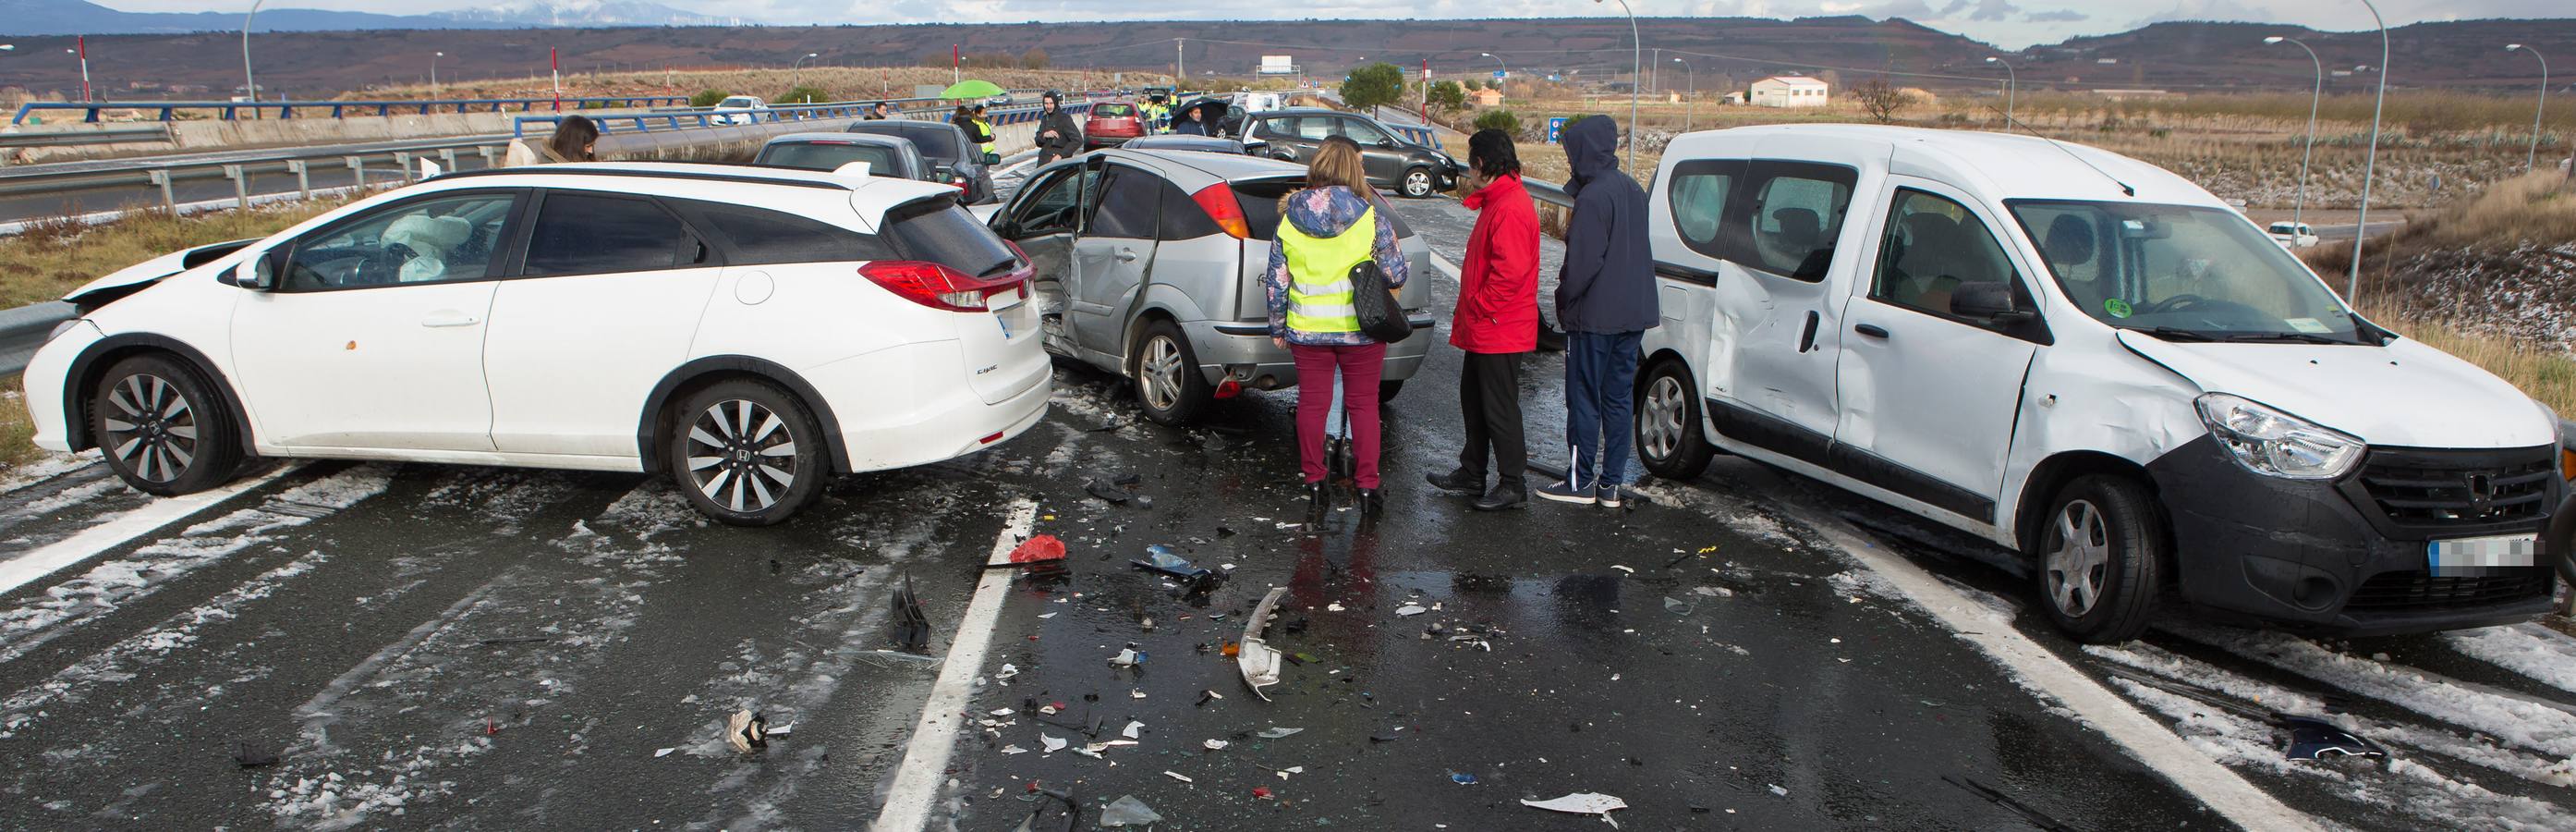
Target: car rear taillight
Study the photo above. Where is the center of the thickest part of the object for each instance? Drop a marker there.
(1219, 203)
(939, 287)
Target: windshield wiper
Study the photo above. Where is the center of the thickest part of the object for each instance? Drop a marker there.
(2172, 334)
(2284, 337)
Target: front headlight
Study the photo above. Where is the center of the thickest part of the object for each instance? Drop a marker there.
(2277, 444)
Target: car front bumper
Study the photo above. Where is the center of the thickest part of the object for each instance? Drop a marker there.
(2324, 556)
(1242, 351)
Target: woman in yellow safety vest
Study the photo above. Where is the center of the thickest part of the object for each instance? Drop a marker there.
(1325, 229)
(983, 133)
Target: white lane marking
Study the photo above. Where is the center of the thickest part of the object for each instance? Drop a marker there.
(56, 556)
(1445, 267)
(2042, 672)
(925, 763)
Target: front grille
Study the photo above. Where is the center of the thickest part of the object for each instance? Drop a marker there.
(2446, 489)
(2419, 590)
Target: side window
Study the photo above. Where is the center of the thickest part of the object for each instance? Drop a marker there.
(1056, 206)
(1128, 203)
(1316, 128)
(430, 241)
(1699, 191)
(757, 236)
(1933, 245)
(1363, 132)
(578, 233)
(1795, 217)
(1183, 219)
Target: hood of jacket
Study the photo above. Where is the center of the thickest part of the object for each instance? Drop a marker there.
(1591, 149)
(1324, 212)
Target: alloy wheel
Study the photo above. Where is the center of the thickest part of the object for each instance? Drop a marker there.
(741, 455)
(1417, 183)
(153, 430)
(1661, 425)
(2078, 558)
(1158, 373)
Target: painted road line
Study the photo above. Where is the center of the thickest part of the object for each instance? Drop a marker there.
(1445, 267)
(934, 738)
(2042, 672)
(61, 554)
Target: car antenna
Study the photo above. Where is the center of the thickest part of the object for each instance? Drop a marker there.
(2124, 186)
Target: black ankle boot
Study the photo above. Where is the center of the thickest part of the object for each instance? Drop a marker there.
(1372, 501)
(1319, 498)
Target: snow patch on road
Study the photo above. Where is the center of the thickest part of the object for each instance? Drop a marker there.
(2518, 721)
(68, 497)
(47, 465)
(2543, 654)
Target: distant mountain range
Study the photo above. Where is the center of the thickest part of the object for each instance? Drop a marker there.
(80, 17)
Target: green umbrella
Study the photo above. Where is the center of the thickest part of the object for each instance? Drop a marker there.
(970, 89)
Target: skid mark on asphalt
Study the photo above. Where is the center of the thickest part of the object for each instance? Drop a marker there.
(78, 600)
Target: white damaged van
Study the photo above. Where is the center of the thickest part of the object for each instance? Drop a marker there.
(2090, 360)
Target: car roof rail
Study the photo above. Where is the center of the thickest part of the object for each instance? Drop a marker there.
(692, 171)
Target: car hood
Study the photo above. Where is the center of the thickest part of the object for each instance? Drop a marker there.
(155, 269)
(2403, 395)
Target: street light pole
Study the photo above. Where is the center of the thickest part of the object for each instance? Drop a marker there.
(796, 74)
(250, 85)
(433, 72)
(2012, 84)
(1636, 75)
(1690, 94)
(2529, 159)
(1504, 75)
(2369, 163)
(2298, 208)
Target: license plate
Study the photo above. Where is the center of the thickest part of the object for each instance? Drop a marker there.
(2481, 555)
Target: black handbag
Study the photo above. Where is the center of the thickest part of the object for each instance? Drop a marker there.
(1381, 318)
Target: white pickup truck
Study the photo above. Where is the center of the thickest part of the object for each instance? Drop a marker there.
(2090, 360)
(2292, 234)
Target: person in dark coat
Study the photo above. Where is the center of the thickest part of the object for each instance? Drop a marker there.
(1496, 323)
(1191, 122)
(1058, 136)
(1605, 299)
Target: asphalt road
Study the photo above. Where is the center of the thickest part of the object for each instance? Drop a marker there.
(430, 646)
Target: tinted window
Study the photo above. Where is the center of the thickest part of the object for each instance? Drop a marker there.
(1127, 205)
(1318, 127)
(1113, 111)
(1183, 219)
(589, 234)
(939, 147)
(1931, 246)
(429, 241)
(1699, 192)
(1363, 132)
(1056, 205)
(827, 156)
(1260, 201)
(1796, 215)
(939, 231)
(754, 236)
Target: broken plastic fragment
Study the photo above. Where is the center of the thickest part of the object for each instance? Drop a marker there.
(1261, 792)
(1053, 744)
(1410, 610)
(1777, 791)
(1277, 733)
(911, 625)
(1109, 492)
(1128, 811)
(1628, 569)
(1127, 657)
(1255, 658)
(1581, 803)
(1215, 745)
(1462, 778)
(249, 755)
(1161, 558)
(746, 730)
(1039, 549)
(1006, 672)
(1675, 606)
(2312, 739)
(1178, 776)
(1014, 749)
(664, 752)
(783, 730)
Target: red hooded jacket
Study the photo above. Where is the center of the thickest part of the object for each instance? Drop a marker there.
(1498, 285)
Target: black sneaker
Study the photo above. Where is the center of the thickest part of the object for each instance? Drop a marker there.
(1457, 481)
(1503, 498)
(1610, 496)
(1565, 492)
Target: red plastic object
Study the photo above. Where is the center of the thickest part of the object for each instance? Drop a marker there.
(1039, 549)
(1229, 388)
(1262, 792)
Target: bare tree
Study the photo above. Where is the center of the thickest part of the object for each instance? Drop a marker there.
(1881, 100)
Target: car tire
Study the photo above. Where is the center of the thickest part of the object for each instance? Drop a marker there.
(2102, 550)
(1417, 183)
(162, 427)
(1670, 438)
(1166, 375)
(1386, 390)
(746, 452)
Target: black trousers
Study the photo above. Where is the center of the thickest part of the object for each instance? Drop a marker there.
(1489, 397)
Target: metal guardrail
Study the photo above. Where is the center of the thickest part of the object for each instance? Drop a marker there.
(23, 329)
(149, 172)
(112, 135)
(232, 110)
(705, 118)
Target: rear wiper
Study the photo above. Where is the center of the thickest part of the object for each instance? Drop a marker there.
(2172, 334)
(2284, 337)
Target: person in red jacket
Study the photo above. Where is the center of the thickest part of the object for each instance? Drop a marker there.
(1496, 322)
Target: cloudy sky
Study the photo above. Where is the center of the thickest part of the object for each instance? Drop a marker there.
(2004, 22)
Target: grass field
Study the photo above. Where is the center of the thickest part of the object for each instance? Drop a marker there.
(54, 257)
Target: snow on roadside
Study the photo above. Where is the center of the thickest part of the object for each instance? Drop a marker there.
(116, 581)
(2532, 650)
(46, 465)
(72, 496)
(2517, 721)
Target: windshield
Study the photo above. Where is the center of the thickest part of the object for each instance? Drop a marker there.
(739, 102)
(2182, 272)
(830, 156)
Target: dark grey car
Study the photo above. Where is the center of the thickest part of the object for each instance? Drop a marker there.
(947, 149)
(1394, 162)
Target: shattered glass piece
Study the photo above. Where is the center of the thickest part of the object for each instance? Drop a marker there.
(1128, 811)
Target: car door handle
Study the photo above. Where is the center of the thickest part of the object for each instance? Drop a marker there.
(447, 319)
(1871, 330)
(1126, 255)
(1807, 338)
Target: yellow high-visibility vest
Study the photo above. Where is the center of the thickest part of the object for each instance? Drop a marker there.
(987, 127)
(1319, 274)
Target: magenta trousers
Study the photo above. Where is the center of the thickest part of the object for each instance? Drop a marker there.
(1361, 368)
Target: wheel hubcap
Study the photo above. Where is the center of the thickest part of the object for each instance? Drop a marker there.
(2079, 555)
(1158, 373)
(1660, 424)
(742, 456)
(150, 428)
(1417, 183)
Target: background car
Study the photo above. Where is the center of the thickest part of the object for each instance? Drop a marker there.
(954, 159)
(749, 332)
(2292, 234)
(1202, 144)
(739, 109)
(1148, 264)
(1112, 123)
(886, 156)
(1394, 163)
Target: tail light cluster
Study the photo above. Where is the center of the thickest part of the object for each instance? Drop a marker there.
(938, 286)
(1219, 203)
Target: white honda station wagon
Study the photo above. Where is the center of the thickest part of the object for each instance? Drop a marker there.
(750, 332)
(2091, 360)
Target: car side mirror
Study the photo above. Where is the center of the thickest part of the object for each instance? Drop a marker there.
(1990, 301)
(992, 158)
(259, 274)
(1255, 148)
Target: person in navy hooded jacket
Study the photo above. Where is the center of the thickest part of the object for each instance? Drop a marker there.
(1605, 300)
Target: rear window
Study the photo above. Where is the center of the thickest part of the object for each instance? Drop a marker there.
(756, 236)
(1260, 201)
(829, 157)
(1113, 111)
(939, 231)
(739, 102)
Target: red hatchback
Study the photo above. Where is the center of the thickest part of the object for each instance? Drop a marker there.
(1111, 125)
